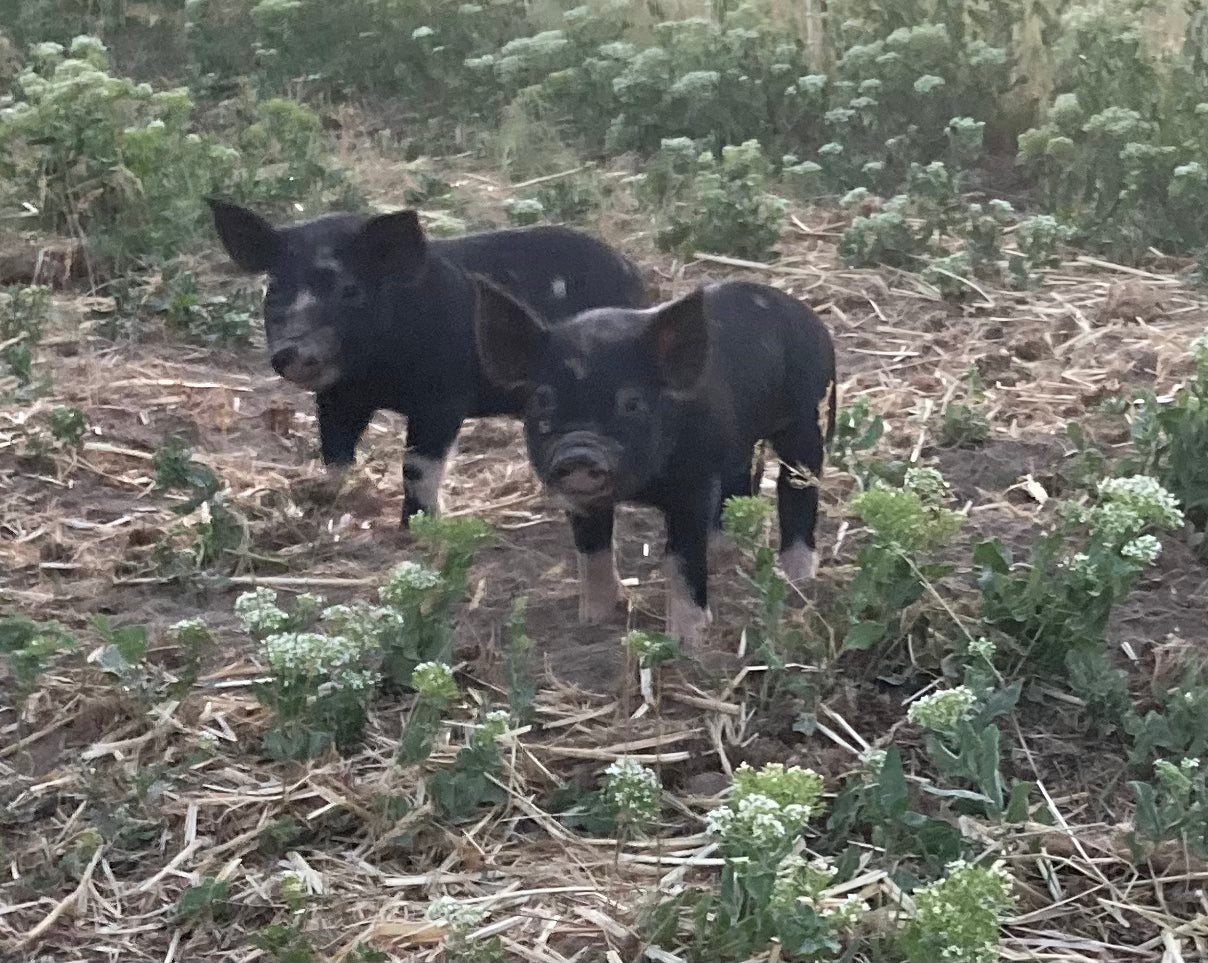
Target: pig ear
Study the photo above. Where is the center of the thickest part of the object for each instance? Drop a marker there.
(395, 241)
(508, 336)
(250, 240)
(679, 336)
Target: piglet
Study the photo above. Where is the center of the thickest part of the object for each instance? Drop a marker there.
(369, 313)
(663, 407)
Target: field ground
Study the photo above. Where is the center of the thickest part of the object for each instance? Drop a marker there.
(79, 539)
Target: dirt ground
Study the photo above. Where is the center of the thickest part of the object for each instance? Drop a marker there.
(79, 538)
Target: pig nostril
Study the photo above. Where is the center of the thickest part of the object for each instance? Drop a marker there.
(282, 359)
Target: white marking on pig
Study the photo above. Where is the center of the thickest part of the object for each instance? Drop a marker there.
(686, 621)
(425, 488)
(824, 418)
(760, 301)
(558, 288)
(600, 589)
(325, 260)
(799, 561)
(302, 303)
(577, 366)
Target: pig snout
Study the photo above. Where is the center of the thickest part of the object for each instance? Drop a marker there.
(305, 365)
(296, 365)
(581, 468)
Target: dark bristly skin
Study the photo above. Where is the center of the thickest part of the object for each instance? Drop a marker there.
(663, 407)
(368, 313)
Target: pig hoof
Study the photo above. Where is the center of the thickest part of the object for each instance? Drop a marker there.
(799, 562)
(601, 608)
(689, 624)
(722, 545)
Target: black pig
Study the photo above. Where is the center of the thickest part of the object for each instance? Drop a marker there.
(368, 313)
(664, 406)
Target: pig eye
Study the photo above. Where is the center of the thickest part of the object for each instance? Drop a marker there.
(349, 291)
(543, 400)
(630, 402)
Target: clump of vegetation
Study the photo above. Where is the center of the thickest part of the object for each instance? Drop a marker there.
(1055, 608)
(958, 918)
(768, 890)
(23, 314)
(103, 157)
(720, 207)
(1170, 436)
(123, 166)
(29, 646)
(907, 525)
(319, 682)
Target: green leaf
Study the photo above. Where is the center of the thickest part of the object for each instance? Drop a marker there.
(968, 794)
(863, 635)
(1017, 808)
(891, 785)
(131, 642)
(992, 554)
(208, 895)
(1147, 819)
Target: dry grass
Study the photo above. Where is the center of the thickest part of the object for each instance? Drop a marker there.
(177, 791)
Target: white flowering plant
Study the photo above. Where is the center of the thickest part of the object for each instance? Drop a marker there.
(907, 524)
(634, 792)
(766, 811)
(1055, 609)
(745, 519)
(769, 891)
(958, 918)
(1170, 436)
(459, 791)
(435, 687)
(1174, 806)
(963, 742)
(319, 682)
(421, 595)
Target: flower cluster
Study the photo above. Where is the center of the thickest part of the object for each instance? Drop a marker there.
(634, 790)
(1129, 504)
(982, 648)
(307, 607)
(307, 653)
(191, 633)
(873, 760)
(1199, 351)
(259, 613)
(365, 624)
(766, 809)
(792, 786)
(1144, 549)
(434, 680)
(957, 918)
(1176, 779)
(941, 711)
(407, 583)
(802, 881)
(494, 725)
(903, 519)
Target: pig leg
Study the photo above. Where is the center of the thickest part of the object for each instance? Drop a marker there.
(430, 440)
(686, 567)
(800, 446)
(342, 421)
(739, 483)
(600, 589)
